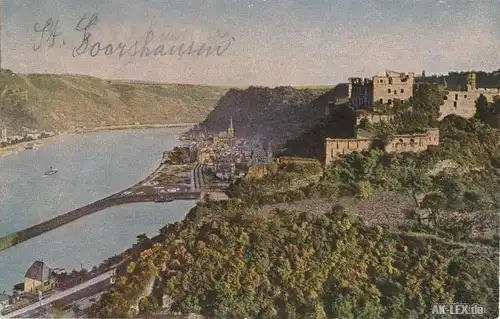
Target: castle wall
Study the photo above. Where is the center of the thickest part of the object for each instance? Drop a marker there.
(339, 146)
(386, 89)
(361, 95)
(463, 103)
(373, 118)
(413, 142)
(399, 143)
(296, 160)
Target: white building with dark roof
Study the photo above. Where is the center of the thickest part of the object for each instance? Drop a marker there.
(39, 277)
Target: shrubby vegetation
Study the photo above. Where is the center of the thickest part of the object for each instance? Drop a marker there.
(301, 266)
(178, 156)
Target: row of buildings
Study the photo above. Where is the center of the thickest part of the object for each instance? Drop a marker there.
(228, 157)
(27, 135)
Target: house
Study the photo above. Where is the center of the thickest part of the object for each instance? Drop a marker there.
(39, 277)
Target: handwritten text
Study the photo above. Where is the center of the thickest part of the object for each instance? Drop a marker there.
(50, 35)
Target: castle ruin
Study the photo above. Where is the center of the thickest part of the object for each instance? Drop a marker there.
(398, 143)
(365, 93)
(463, 103)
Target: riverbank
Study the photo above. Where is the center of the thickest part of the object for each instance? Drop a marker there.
(132, 127)
(21, 147)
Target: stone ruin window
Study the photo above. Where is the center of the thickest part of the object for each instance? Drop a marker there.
(412, 141)
(456, 97)
(395, 92)
(455, 104)
(445, 98)
(389, 101)
(381, 101)
(465, 96)
(402, 90)
(381, 81)
(388, 90)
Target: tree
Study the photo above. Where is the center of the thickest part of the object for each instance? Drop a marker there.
(436, 203)
(482, 110)
(141, 238)
(364, 124)
(414, 180)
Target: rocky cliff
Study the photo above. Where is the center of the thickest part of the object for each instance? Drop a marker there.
(275, 114)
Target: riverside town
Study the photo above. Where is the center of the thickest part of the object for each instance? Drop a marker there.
(334, 164)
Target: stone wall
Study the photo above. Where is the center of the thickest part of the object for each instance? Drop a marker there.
(373, 117)
(413, 142)
(463, 103)
(338, 146)
(257, 171)
(296, 160)
(399, 143)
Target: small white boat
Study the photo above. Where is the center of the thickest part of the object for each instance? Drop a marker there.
(51, 171)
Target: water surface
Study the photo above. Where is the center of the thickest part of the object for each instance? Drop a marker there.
(91, 166)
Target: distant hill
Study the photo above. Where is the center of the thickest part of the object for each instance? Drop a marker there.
(62, 102)
(273, 114)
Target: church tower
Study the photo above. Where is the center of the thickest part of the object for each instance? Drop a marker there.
(269, 152)
(230, 130)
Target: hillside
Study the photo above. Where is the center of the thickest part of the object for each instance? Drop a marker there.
(234, 263)
(62, 102)
(275, 114)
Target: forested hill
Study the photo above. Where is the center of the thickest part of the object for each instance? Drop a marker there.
(275, 114)
(458, 80)
(62, 102)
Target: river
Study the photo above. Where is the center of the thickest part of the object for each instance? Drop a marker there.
(91, 166)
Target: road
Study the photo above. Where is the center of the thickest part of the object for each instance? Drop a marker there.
(197, 177)
(33, 308)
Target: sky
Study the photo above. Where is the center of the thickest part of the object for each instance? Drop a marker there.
(263, 42)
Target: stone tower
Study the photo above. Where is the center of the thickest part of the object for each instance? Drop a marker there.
(230, 130)
(471, 82)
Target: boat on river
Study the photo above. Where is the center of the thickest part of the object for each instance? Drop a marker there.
(51, 171)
